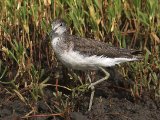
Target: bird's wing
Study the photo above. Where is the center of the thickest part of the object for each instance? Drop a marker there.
(90, 47)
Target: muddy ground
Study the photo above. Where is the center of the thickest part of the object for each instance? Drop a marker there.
(112, 101)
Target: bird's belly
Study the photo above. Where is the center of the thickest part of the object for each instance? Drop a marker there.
(77, 63)
(75, 60)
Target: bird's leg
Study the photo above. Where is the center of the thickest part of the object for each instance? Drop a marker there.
(95, 83)
(102, 79)
(92, 92)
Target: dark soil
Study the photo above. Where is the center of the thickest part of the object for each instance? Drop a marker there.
(112, 101)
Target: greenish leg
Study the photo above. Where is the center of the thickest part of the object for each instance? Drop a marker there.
(92, 85)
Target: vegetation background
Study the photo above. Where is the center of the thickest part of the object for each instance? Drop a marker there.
(27, 62)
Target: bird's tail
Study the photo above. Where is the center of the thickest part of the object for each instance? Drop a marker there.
(137, 54)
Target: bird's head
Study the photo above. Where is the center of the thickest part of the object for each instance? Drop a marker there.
(59, 27)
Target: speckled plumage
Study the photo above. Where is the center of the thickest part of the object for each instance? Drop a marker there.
(91, 47)
(85, 53)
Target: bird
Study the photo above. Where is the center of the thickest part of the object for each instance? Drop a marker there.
(80, 53)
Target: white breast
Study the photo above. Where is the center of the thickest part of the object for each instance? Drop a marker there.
(54, 42)
(57, 46)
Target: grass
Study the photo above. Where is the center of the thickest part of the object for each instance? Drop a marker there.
(28, 63)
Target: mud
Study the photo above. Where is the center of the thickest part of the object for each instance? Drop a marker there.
(112, 101)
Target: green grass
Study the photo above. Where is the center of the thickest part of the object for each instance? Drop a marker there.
(27, 61)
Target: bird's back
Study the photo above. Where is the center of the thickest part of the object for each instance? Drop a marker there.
(90, 47)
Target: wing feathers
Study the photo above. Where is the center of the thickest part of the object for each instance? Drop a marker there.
(94, 47)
